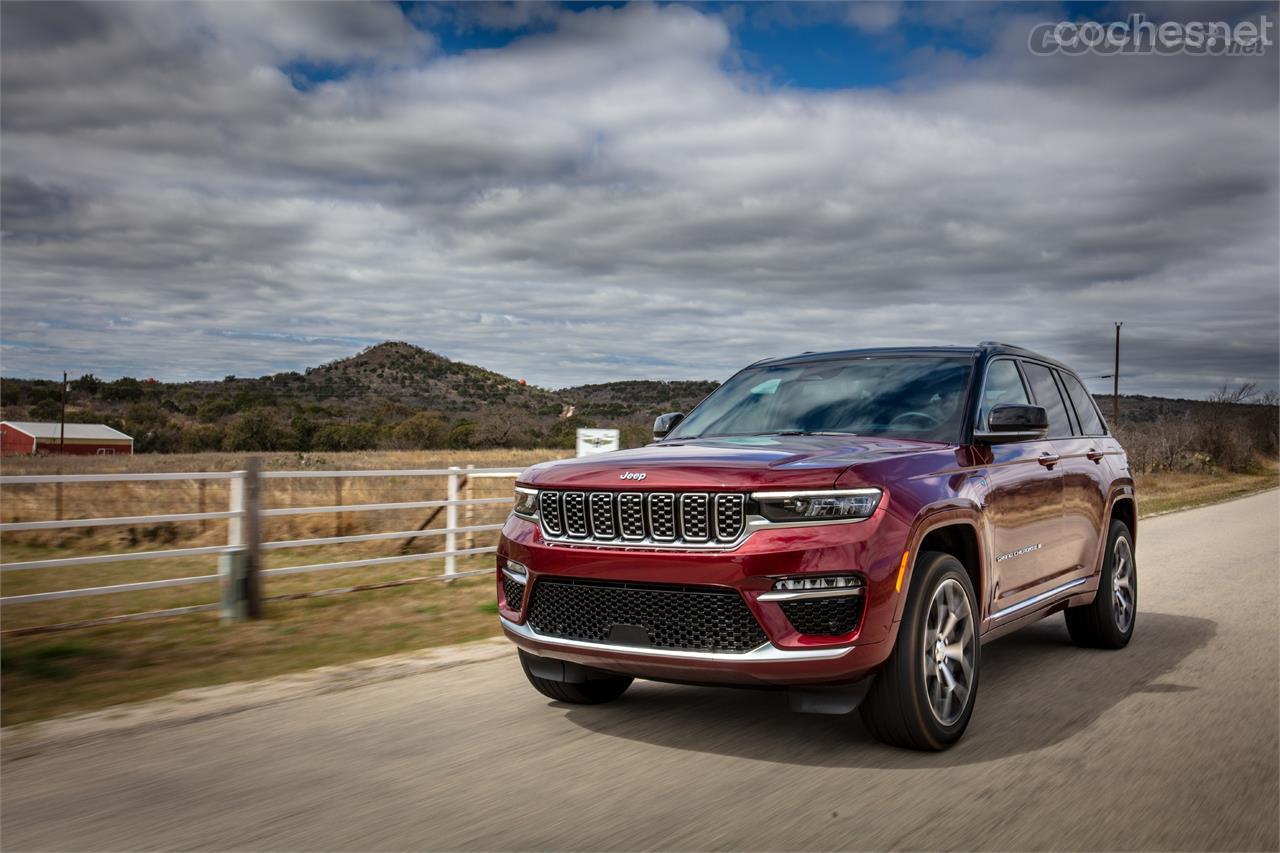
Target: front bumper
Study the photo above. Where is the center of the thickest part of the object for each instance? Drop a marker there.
(872, 549)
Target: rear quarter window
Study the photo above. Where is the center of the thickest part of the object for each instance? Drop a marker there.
(1086, 410)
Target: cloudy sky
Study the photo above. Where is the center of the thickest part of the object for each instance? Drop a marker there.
(575, 194)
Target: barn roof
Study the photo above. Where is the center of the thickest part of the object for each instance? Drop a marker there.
(77, 431)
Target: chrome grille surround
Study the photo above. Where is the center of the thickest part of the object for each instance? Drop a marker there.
(644, 519)
(729, 516)
(549, 512)
(575, 514)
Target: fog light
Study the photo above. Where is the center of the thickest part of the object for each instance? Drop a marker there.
(836, 582)
(516, 571)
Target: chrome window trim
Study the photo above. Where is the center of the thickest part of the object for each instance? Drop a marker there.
(803, 594)
(1037, 599)
(766, 653)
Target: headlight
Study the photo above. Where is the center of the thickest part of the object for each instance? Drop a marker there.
(835, 505)
(526, 503)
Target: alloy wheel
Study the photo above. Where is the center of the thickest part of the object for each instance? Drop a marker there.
(948, 652)
(1122, 583)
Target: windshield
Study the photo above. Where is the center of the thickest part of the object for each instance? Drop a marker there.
(913, 397)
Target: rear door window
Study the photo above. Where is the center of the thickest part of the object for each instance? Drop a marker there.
(1047, 395)
(1086, 410)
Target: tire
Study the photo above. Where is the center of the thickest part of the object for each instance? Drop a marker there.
(1108, 622)
(911, 703)
(593, 692)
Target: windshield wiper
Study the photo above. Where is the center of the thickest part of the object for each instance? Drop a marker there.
(805, 432)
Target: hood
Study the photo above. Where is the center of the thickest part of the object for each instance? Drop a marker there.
(738, 463)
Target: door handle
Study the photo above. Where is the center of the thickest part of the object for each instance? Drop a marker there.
(1048, 460)
(1094, 455)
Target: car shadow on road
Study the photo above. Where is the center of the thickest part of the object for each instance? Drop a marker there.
(1037, 689)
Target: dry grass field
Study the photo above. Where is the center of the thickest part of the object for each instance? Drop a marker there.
(43, 675)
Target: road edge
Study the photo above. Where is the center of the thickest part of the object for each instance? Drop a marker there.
(204, 703)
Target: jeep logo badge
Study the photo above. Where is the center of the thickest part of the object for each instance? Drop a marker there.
(632, 475)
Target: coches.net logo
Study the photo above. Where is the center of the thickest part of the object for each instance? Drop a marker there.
(1136, 35)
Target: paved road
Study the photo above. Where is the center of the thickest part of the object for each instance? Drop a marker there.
(1170, 744)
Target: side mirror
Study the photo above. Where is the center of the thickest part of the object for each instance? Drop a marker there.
(664, 424)
(1010, 422)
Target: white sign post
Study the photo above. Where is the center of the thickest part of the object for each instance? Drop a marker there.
(596, 441)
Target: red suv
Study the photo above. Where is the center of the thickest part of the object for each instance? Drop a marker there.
(848, 526)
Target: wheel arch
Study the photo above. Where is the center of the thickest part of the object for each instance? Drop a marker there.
(954, 532)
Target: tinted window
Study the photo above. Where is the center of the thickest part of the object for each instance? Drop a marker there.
(1047, 395)
(1003, 385)
(904, 397)
(1086, 410)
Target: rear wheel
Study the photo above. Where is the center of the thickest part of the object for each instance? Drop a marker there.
(923, 697)
(1107, 623)
(606, 688)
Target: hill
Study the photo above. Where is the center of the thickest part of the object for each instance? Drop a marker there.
(394, 395)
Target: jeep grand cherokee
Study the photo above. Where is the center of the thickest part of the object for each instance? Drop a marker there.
(850, 526)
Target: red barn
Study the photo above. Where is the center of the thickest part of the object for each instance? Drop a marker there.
(80, 439)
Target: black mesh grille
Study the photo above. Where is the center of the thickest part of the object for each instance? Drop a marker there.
(662, 517)
(513, 591)
(826, 617)
(549, 512)
(729, 519)
(695, 518)
(673, 617)
(602, 526)
(631, 515)
(695, 524)
(575, 513)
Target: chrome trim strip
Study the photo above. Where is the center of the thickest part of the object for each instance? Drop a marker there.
(802, 594)
(523, 580)
(526, 490)
(767, 653)
(814, 493)
(1036, 599)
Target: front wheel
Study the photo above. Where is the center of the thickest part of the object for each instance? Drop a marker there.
(1107, 622)
(592, 692)
(923, 697)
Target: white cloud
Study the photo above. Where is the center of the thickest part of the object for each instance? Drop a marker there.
(604, 200)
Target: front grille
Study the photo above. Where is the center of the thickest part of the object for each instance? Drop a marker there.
(513, 591)
(661, 518)
(671, 617)
(824, 617)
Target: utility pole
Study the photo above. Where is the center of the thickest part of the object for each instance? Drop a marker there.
(1115, 380)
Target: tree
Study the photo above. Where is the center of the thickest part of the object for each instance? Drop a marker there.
(255, 431)
(423, 431)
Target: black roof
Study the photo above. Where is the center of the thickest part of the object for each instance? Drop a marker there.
(985, 348)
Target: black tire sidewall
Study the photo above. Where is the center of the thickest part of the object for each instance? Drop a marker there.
(1105, 599)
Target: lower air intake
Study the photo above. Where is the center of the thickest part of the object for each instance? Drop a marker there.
(689, 618)
(824, 617)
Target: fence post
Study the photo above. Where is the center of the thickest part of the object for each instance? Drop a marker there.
(253, 537)
(451, 522)
(468, 511)
(231, 569)
(337, 501)
(235, 524)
